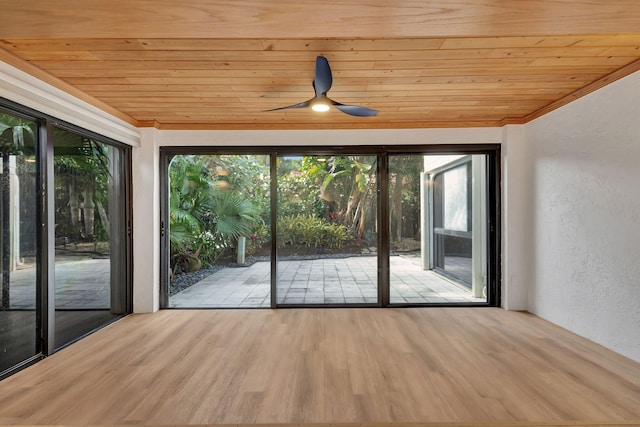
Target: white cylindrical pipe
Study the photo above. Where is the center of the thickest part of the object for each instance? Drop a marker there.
(242, 245)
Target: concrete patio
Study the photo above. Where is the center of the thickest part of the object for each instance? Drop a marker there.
(81, 283)
(84, 284)
(321, 281)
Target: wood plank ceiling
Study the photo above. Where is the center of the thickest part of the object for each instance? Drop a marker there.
(218, 64)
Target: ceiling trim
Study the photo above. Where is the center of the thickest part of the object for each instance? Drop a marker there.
(22, 65)
(23, 87)
(344, 126)
(591, 87)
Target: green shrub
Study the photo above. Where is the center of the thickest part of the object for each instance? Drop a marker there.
(260, 237)
(336, 236)
(310, 231)
(298, 194)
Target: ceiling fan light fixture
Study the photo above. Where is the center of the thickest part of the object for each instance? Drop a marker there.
(320, 107)
(321, 103)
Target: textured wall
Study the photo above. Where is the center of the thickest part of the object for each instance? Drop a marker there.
(585, 250)
(516, 217)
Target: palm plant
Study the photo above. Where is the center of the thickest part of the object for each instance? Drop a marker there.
(190, 200)
(206, 218)
(348, 182)
(13, 133)
(234, 215)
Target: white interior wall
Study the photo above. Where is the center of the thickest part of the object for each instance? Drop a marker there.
(516, 216)
(330, 137)
(585, 250)
(146, 223)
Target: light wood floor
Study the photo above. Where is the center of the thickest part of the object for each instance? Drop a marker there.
(430, 365)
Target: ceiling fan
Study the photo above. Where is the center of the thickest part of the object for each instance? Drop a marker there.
(321, 102)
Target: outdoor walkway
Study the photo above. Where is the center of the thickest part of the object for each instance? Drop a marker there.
(321, 281)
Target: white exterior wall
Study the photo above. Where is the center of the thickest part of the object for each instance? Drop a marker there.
(585, 195)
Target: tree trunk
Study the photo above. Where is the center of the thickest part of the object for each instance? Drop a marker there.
(360, 216)
(74, 209)
(104, 218)
(88, 210)
(396, 208)
(6, 232)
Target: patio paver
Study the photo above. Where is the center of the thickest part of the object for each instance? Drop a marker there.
(80, 284)
(321, 281)
(85, 284)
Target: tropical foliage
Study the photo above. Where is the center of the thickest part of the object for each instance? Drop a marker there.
(298, 194)
(16, 134)
(404, 195)
(82, 176)
(347, 188)
(210, 208)
(324, 202)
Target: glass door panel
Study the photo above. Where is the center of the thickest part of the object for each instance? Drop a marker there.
(452, 226)
(18, 230)
(437, 217)
(219, 229)
(90, 231)
(327, 230)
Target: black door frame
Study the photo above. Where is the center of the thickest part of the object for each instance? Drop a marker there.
(492, 152)
(45, 236)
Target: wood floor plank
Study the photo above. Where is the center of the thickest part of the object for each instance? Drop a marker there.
(435, 366)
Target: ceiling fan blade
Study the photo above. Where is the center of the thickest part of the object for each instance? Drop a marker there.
(299, 105)
(355, 110)
(322, 80)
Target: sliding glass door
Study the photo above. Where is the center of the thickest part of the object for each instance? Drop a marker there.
(19, 315)
(219, 231)
(64, 234)
(90, 230)
(327, 230)
(438, 229)
(320, 227)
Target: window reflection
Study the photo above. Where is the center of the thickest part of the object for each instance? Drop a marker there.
(87, 225)
(18, 327)
(455, 199)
